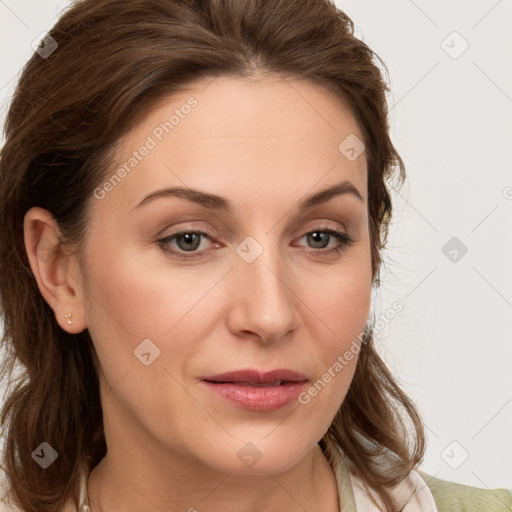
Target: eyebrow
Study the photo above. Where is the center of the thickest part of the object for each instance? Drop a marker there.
(220, 203)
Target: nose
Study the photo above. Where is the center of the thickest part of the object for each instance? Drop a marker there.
(263, 302)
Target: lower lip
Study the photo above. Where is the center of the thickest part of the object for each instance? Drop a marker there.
(258, 398)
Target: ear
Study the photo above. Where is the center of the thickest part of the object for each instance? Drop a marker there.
(55, 268)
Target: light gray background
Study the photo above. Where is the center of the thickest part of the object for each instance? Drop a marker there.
(451, 122)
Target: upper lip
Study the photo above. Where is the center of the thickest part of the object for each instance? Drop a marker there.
(251, 376)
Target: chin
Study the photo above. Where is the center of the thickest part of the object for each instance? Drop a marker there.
(257, 457)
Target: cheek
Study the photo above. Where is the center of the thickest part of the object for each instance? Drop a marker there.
(135, 294)
(340, 305)
(131, 298)
(130, 301)
(344, 302)
(340, 299)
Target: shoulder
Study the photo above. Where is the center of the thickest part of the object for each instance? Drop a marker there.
(454, 497)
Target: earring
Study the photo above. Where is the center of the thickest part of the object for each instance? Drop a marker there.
(68, 316)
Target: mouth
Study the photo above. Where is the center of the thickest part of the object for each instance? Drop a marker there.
(256, 390)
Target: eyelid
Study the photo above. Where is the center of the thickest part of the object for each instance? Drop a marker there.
(213, 234)
(325, 224)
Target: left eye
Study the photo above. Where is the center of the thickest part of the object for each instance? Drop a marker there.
(321, 238)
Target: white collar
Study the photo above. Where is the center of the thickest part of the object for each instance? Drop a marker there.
(412, 491)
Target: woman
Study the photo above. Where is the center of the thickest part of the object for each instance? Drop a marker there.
(193, 205)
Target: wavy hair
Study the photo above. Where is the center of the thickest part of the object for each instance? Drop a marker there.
(114, 60)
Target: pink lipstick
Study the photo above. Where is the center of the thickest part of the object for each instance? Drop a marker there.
(257, 390)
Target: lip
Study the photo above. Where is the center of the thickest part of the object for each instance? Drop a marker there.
(251, 376)
(257, 390)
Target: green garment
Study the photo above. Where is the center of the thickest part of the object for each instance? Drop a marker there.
(453, 497)
(448, 496)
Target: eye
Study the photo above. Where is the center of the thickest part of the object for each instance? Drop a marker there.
(186, 241)
(320, 238)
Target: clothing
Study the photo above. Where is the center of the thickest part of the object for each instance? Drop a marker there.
(429, 494)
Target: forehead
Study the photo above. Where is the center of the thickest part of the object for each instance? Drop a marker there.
(271, 100)
(245, 131)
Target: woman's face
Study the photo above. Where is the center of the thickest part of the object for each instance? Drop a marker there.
(255, 282)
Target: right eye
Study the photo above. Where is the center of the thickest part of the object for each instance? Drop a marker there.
(184, 241)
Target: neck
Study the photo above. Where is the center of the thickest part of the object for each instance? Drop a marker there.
(121, 485)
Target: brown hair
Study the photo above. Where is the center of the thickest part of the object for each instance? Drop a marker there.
(115, 59)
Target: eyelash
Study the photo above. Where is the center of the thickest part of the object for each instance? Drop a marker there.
(342, 237)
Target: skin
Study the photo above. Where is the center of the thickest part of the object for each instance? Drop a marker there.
(264, 144)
